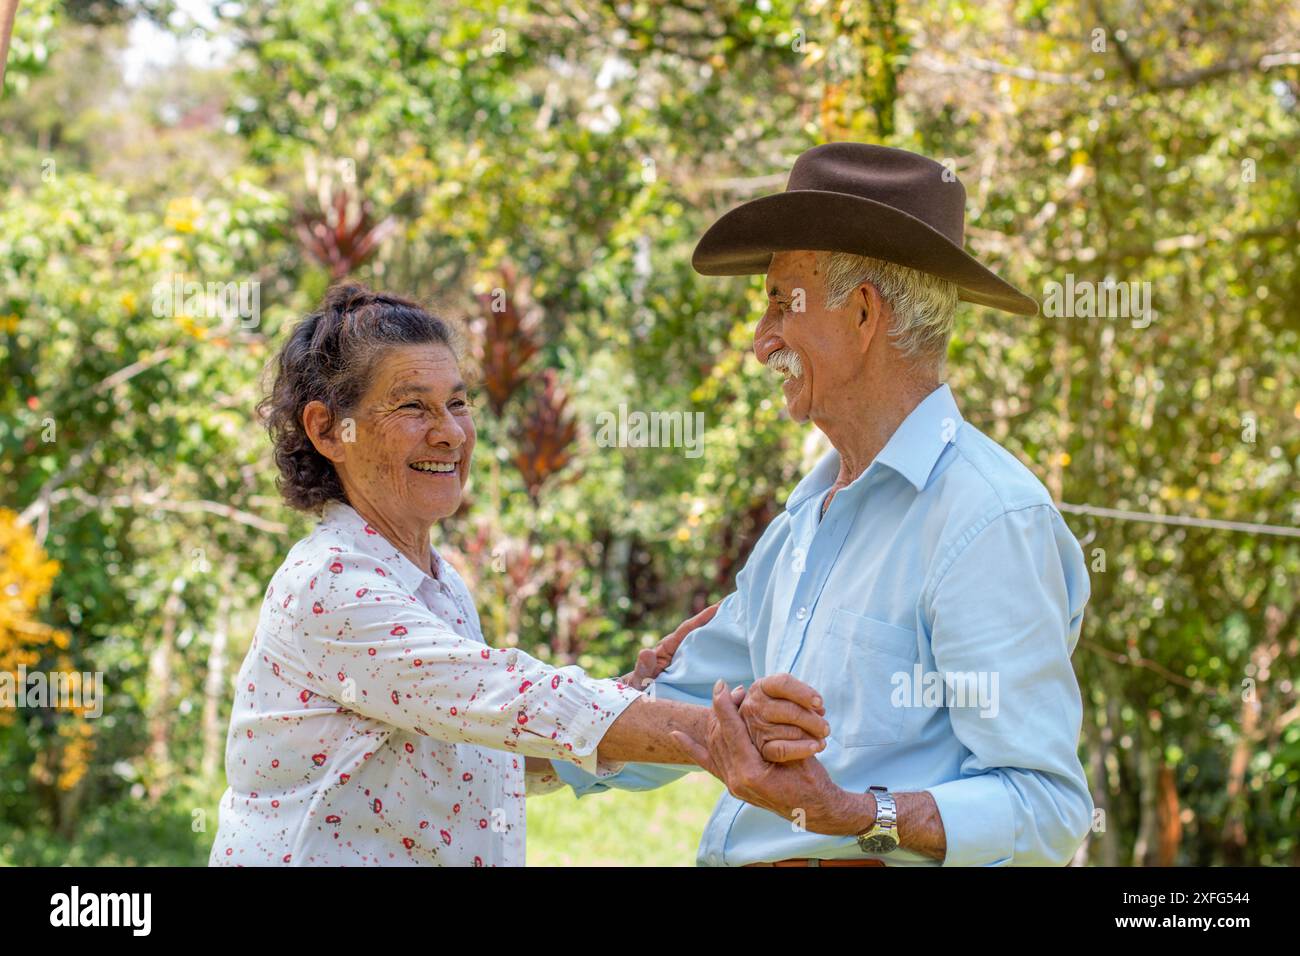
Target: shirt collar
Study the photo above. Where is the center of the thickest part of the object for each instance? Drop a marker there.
(912, 451)
(346, 519)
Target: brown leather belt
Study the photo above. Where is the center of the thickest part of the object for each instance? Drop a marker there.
(806, 862)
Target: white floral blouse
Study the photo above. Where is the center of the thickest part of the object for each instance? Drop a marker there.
(373, 725)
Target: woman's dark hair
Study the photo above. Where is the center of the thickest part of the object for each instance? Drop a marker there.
(330, 357)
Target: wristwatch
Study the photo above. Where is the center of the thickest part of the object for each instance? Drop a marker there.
(883, 835)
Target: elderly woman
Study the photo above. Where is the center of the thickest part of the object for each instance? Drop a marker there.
(372, 723)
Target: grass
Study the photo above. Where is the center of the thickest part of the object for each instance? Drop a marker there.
(621, 828)
(654, 828)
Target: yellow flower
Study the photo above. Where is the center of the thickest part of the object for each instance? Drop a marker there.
(190, 327)
(181, 213)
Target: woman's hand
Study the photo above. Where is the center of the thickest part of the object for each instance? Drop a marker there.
(653, 661)
(782, 715)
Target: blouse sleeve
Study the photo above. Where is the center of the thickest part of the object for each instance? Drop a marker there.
(376, 650)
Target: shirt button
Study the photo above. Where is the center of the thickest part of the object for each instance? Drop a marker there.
(801, 613)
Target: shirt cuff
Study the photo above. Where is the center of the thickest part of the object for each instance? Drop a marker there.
(596, 711)
(538, 782)
(978, 824)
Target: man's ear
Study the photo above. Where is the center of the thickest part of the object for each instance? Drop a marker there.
(322, 430)
(873, 313)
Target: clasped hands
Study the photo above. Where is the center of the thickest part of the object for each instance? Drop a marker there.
(762, 741)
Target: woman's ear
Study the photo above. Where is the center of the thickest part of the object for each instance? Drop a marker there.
(322, 430)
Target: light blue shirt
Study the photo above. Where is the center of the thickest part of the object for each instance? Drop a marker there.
(935, 608)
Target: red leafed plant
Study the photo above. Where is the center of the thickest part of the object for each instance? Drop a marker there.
(545, 434)
(342, 236)
(506, 333)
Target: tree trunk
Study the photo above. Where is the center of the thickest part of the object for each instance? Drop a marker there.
(213, 691)
(160, 682)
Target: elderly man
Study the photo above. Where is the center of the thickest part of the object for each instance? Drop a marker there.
(920, 577)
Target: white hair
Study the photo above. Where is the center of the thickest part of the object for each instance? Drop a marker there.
(923, 304)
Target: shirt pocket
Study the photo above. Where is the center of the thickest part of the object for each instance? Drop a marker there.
(856, 677)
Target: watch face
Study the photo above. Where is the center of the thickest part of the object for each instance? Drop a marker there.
(878, 844)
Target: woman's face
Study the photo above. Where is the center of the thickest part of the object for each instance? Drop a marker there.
(408, 460)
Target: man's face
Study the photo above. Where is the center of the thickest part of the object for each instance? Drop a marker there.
(819, 350)
(414, 437)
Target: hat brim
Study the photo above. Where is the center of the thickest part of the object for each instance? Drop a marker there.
(743, 241)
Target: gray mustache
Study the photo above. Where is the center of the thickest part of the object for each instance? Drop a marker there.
(785, 360)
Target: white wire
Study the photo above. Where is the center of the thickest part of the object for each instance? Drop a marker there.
(1281, 530)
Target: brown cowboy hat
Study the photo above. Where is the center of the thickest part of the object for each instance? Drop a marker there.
(870, 200)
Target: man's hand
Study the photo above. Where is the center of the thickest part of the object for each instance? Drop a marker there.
(782, 714)
(653, 661)
(796, 790)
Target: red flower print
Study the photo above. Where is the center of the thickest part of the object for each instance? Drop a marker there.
(485, 654)
(371, 651)
(395, 698)
(275, 804)
(275, 763)
(250, 686)
(381, 572)
(408, 842)
(555, 682)
(287, 858)
(370, 530)
(398, 631)
(453, 711)
(361, 592)
(312, 585)
(275, 669)
(525, 685)
(316, 608)
(478, 861)
(344, 777)
(482, 824)
(333, 818)
(446, 837)
(410, 747)
(377, 805)
(318, 759)
(336, 567)
(455, 808)
(304, 696)
(522, 718)
(417, 662)
(467, 776)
